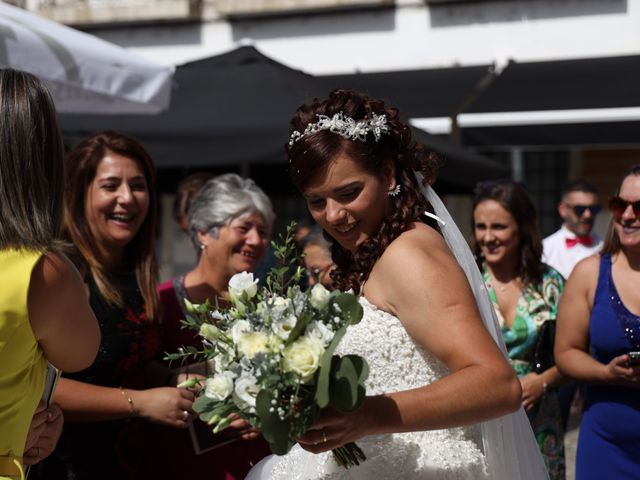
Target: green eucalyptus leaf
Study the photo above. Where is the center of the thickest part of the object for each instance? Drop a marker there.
(324, 374)
(274, 429)
(301, 325)
(350, 307)
(362, 393)
(220, 412)
(204, 404)
(344, 386)
(361, 366)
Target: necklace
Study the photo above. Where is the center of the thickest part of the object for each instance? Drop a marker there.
(503, 287)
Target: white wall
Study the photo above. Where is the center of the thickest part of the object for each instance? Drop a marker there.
(410, 36)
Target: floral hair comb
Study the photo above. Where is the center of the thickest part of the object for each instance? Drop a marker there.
(346, 127)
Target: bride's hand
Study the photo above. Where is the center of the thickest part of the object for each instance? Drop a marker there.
(333, 429)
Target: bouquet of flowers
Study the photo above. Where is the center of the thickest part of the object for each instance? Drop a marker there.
(271, 355)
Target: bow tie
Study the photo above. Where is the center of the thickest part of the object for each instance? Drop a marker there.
(572, 242)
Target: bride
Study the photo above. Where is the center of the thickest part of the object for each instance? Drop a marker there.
(436, 373)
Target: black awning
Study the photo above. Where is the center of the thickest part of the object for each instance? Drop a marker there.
(225, 110)
(416, 93)
(585, 135)
(610, 82)
(235, 109)
(586, 102)
(460, 167)
(430, 93)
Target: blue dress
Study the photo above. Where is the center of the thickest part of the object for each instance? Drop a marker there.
(609, 441)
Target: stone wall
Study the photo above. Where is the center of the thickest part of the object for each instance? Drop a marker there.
(90, 12)
(260, 7)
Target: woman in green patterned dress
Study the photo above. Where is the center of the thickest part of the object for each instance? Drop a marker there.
(525, 293)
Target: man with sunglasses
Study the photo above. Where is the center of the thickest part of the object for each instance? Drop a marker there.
(574, 241)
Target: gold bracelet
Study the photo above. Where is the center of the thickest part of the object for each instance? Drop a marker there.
(129, 401)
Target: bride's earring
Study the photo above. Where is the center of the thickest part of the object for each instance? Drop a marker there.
(395, 191)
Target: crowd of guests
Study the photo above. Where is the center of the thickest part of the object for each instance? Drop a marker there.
(79, 277)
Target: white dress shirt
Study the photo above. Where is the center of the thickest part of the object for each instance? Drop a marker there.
(563, 258)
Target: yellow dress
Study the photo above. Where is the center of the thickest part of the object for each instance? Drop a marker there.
(22, 363)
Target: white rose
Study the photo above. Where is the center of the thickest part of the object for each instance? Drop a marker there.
(302, 357)
(318, 331)
(240, 283)
(208, 331)
(250, 344)
(245, 391)
(239, 329)
(219, 387)
(319, 296)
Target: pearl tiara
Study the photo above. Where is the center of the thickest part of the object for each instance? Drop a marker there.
(345, 127)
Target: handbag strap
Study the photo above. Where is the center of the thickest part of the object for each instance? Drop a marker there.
(11, 466)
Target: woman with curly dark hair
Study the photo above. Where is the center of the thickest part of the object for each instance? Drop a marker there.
(525, 294)
(435, 371)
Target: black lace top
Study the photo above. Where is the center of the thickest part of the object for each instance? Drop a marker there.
(107, 450)
(128, 340)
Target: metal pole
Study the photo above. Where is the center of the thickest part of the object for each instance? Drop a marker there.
(517, 164)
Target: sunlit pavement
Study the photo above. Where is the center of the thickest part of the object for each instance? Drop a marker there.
(571, 443)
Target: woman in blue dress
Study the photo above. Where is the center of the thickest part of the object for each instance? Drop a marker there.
(598, 325)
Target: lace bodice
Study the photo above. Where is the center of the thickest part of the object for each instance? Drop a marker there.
(396, 363)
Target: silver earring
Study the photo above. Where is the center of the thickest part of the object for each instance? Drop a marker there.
(395, 191)
(202, 247)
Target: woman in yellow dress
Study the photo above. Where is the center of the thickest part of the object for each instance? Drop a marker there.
(44, 312)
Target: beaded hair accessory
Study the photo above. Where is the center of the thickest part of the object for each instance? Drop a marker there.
(346, 127)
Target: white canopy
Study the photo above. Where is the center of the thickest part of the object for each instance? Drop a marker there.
(84, 73)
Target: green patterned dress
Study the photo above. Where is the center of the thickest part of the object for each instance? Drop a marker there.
(534, 307)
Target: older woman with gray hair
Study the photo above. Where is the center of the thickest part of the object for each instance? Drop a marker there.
(230, 221)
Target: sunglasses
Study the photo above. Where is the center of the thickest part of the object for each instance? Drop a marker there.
(580, 209)
(618, 206)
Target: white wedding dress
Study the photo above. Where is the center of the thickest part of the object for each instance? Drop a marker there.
(396, 363)
(503, 448)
